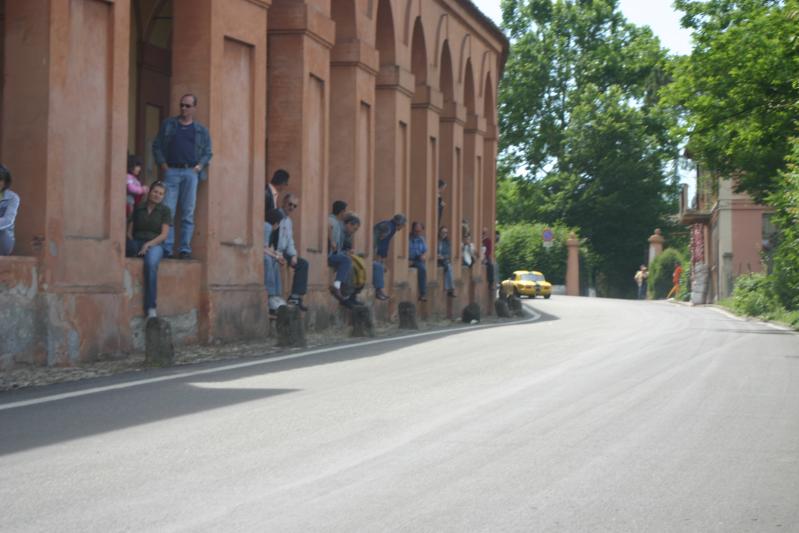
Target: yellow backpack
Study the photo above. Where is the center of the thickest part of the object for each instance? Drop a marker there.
(358, 272)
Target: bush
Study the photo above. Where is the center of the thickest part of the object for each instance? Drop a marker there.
(754, 295)
(661, 271)
(521, 247)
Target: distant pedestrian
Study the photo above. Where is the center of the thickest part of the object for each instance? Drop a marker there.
(384, 231)
(183, 150)
(442, 186)
(641, 280)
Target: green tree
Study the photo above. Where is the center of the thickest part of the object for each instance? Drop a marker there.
(522, 248)
(785, 199)
(584, 142)
(738, 88)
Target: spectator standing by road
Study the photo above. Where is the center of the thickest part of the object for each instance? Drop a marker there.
(488, 258)
(640, 280)
(9, 205)
(183, 150)
(675, 281)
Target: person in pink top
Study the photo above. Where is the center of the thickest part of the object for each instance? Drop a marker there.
(136, 191)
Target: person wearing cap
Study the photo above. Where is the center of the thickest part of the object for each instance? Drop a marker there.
(9, 204)
(384, 231)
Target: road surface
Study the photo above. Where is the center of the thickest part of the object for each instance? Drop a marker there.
(602, 415)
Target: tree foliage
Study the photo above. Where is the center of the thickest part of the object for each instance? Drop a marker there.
(738, 88)
(522, 248)
(785, 199)
(584, 142)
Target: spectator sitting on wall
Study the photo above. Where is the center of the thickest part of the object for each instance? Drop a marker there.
(468, 252)
(357, 280)
(136, 191)
(336, 256)
(383, 233)
(273, 258)
(417, 255)
(9, 205)
(148, 228)
(445, 259)
(279, 182)
(285, 245)
(183, 150)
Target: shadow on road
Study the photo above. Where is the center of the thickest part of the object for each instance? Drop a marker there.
(25, 427)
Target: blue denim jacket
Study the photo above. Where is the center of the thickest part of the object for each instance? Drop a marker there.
(416, 247)
(383, 232)
(202, 144)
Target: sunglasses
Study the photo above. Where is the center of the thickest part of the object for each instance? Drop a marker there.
(293, 206)
(185, 105)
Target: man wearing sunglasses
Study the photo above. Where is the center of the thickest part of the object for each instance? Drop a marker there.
(285, 245)
(183, 150)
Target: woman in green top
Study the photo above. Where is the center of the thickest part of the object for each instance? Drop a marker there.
(148, 227)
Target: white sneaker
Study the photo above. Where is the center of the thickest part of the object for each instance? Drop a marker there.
(151, 313)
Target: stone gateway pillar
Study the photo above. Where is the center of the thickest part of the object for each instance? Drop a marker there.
(655, 245)
(573, 266)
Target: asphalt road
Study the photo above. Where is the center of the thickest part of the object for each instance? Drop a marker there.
(602, 415)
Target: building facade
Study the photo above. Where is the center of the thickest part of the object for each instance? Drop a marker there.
(367, 101)
(729, 233)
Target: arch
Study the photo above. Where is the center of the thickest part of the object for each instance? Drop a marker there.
(465, 55)
(385, 40)
(407, 31)
(489, 106)
(442, 34)
(468, 88)
(485, 69)
(446, 83)
(419, 53)
(343, 14)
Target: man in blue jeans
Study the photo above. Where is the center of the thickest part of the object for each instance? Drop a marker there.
(183, 150)
(417, 255)
(383, 233)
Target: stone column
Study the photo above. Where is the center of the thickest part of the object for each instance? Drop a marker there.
(392, 155)
(300, 39)
(450, 169)
(353, 70)
(573, 266)
(219, 54)
(655, 245)
(65, 129)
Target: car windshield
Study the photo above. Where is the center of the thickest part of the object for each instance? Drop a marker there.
(532, 277)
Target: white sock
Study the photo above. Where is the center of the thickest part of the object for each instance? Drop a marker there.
(337, 284)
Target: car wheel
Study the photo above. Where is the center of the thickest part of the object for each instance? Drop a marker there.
(547, 296)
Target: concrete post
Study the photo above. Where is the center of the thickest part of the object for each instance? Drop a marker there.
(655, 245)
(573, 266)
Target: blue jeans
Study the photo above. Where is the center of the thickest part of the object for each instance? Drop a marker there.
(299, 284)
(378, 275)
(151, 261)
(447, 266)
(421, 276)
(272, 276)
(6, 242)
(343, 265)
(181, 191)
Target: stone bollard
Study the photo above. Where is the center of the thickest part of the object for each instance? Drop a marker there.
(471, 313)
(290, 326)
(501, 308)
(407, 316)
(159, 350)
(362, 323)
(515, 305)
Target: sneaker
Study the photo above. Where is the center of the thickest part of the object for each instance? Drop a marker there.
(380, 295)
(451, 293)
(184, 255)
(151, 313)
(354, 300)
(297, 300)
(422, 298)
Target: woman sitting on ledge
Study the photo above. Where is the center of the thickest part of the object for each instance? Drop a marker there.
(9, 203)
(147, 229)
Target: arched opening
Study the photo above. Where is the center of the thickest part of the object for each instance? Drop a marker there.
(390, 161)
(423, 145)
(150, 77)
(489, 159)
(385, 36)
(343, 14)
(471, 170)
(449, 168)
(419, 54)
(468, 88)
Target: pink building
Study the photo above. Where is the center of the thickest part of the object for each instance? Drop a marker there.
(367, 101)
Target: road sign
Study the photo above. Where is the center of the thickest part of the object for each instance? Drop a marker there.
(547, 236)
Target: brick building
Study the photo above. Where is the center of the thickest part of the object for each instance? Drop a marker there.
(369, 101)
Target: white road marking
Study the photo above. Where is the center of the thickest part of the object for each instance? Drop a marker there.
(235, 366)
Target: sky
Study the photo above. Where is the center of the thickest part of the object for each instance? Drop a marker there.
(657, 14)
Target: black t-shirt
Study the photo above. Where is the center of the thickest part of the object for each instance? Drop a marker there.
(147, 226)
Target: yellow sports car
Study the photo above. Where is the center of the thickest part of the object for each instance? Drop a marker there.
(527, 283)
